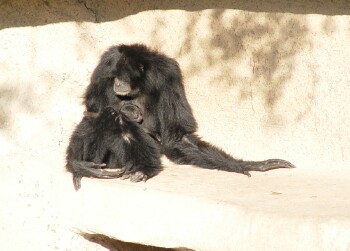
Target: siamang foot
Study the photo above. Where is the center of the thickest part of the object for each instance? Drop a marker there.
(133, 176)
(266, 165)
(96, 172)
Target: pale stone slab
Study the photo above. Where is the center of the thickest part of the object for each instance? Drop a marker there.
(211, 210)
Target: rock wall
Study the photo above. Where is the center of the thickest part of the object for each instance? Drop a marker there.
(265, 79)
(273, 78)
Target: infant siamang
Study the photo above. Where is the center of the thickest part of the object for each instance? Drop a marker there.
(113, 139)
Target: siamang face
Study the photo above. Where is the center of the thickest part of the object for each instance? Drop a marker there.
(128, 76)
(133, 112)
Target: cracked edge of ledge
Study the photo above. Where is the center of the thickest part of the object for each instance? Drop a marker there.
(91, 10)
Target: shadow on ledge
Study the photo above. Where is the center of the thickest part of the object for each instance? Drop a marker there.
(19, 13)
(116, 245)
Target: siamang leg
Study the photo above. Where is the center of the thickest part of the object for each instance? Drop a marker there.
(192, 150)
(141, 156)
(135, 151)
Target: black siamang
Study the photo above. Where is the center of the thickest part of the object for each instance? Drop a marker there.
(112, 139)
(153, 82)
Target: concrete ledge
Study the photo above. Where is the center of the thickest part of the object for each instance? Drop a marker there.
(212, 210)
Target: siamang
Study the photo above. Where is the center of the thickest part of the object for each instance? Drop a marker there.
(153, 82)
(112, 139)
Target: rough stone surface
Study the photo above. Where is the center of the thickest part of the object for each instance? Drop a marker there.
(265, 80)
(210, 210)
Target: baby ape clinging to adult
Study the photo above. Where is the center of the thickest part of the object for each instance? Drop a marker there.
(132, 111)
(112, 139)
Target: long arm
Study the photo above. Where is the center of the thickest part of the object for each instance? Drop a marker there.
(183, 147)
(192, 150)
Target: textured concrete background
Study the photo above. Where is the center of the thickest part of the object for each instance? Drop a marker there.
(265, 79)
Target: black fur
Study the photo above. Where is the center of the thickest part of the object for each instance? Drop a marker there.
(112, 140)
(153, 82)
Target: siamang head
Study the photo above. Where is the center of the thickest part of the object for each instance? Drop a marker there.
(125, 69)
(127, 77)
(132, 112)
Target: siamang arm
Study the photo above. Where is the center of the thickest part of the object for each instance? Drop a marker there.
(192, 150)
(183, 147)
(98, 97)
(99, 93)
(175, 114)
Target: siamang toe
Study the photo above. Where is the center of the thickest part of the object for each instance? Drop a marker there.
(269, 164)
